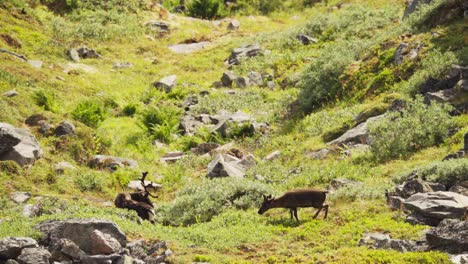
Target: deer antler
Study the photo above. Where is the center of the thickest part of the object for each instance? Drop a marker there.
(144, 174)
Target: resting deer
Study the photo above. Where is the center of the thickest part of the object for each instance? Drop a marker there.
(296, 198)
(138, 201)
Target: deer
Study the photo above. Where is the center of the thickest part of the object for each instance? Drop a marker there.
(296, 198)
(138, 201)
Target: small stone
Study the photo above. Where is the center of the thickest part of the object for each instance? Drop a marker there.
(306, 40)
(62, 166)
(20, 197)
(122, 65)
(11, 93)
(73, 53)
(271, 85)
(233, 25)
(228, 78)
(274, 155)
(30, 210)
(167, 83)
(35, 63)
(242, 82)
(64, 129)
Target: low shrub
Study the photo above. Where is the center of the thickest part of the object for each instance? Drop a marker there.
(162, 122)
(89, 112)
(207, 9)
(89, 182)
(129, 110)
(398, 135)
(200, 202)
(46, 100)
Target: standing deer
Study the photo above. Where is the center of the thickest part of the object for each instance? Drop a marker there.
(138, 201)
(297, 198)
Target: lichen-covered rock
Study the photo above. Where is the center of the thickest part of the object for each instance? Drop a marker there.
(11, 247)
(34, 256)
(450, 235)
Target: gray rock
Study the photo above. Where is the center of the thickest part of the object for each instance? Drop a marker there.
(103, 243)
(437, 206)
(189, 125)
(228, 78)
(35, 120)
(11, 247)
(69, 248)
(242, 82)
(450, 235)
(20, 197)
(64, 129)
(204, 148)
(274, 155)
(73, 54)
(218, 167)
(62, 166)
(45, 128)
(11, 93)
(35, 63)
(449, 96)
(341, 183)
(86, 53)
(243, 52)
(400, 52)
(158, 25)
(306, 40)
(460, 258)
(413, 5)
(356, 135)
(34, 256)
(375, 240)
(255, 78)
(271, 85)
(11, 261)
(80, 233)
(167, 83)
(30, 210)
(319, 154)
(25, 151)
(122, 65)
(112, 163)
(233, 25)
(461, 188)
(172, 157)
(395, 202)
(100, 259)
(416, 185)
(189, 48)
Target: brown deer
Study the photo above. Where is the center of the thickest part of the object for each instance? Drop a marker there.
(138, 201)
(297, 198)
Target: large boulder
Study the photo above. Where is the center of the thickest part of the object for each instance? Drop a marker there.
(356, 135)
(416, 185)
(93, 236)
(431, 208)
(19, 145)
(11, 247)
(34, 256)
(450, 235)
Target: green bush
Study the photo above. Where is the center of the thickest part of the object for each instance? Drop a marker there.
(200, 202)
(129, 110)
(207, 9)
(89, 182)
(46, 100)
(162, 122)
(446, 172)
(398, 135)
(89, 112)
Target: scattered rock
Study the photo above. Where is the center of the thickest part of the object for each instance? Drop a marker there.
(255, 78)
(35, 63)
(189, 48)
(413, 5)
(20, 197)
(34, 255)
(274, 155)
(172, 157)
(64, 129)
(35, 120)
(449, 96)
(167, 83)
(73, 54)
(160, 26)
(228, 78)
(396, 202)
(224, 165)
(319, 154)
(342, 183)
(86, 53)
(45, 128)
(461, 188)
(62, 166)
(137, 186)
(110, 162)
(122, 65)
(404, 52)
(383, 241)
(433, 207)
(242, 82)
(103, 243)
(233, 25)
(243, 52)
(204, 148)
(11, 247)
(416, 185)
(19, 145)
(454, 75)
(75, 68)
(306, 40)
(356, 135)
(11, 93)
(30, 210)
(451, 235)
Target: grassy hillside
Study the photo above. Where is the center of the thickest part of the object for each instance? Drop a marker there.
(319, 90)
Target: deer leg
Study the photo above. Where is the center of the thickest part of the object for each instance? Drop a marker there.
(291, 212)
(295, 214)
(326, 211)
(318, 211)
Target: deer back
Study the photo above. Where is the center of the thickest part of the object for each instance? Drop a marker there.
(301, 198)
